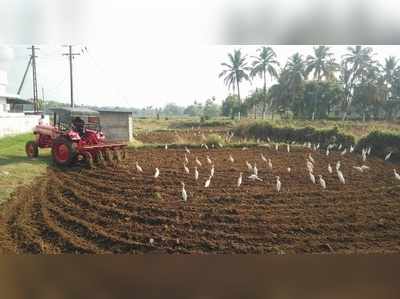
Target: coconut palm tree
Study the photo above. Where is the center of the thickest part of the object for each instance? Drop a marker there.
(357, 65)
(263, 64)
(292, 77)
(235, 72)
(321, 64)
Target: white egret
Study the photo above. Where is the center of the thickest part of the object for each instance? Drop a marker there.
(231, 158)
(388, 156)
(360, 169)
(263, 158)
(322, 182)
(396, 175)
(186, 168)
(186, 159)
(212, 171)
(138, 168)
(184, 194)
(341, 177)
(329, 168)
(208, 160)
(289, 170)
(254, 177)
(255, 170)
(270, 164)
(157, 173)
(278, 184)
(196, 174)
(198, 162)
(249, 167)
(207, 183)
(311, 159)
(338, 165)
(239, 181)
(187, 150)
(312, 177)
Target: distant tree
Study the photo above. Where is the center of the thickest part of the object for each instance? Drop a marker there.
(321, 64)
(172, 109)
(263, 64)
(196, 109)
(230, 106)
(254, 100)
(211, 109)
(235, 72)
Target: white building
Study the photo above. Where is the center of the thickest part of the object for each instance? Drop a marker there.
(12, 118)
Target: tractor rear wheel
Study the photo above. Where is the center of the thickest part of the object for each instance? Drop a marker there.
(62, 151)
(31, 149)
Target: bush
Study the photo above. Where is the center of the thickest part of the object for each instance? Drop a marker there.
(214, 139)
(264, 130)
(381, 143)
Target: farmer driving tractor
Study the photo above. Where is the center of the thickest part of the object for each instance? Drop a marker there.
(79, 126)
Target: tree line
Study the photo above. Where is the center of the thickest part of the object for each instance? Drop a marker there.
(316, 86)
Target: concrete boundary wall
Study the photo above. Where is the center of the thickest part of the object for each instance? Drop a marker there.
(17, 123)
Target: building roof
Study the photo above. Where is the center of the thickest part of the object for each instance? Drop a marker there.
(75, 110)
(113, 110)
(14, 98)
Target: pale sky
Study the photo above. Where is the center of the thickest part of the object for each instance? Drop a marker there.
(141, 75)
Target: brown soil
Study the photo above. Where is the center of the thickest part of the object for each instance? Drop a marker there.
(117, 210)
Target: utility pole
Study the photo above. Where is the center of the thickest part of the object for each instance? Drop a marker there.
(71, 56)
(34, 78)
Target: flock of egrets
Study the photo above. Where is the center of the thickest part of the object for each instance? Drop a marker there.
(252, 170)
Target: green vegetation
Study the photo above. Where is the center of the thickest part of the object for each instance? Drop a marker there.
(381, 144)
(15, 168)
(316, 87)
(214, 139)
(265, 130)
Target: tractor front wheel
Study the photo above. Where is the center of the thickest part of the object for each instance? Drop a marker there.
(31, 149)
(62, 151)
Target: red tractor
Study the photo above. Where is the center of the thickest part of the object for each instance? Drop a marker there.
(74, 136)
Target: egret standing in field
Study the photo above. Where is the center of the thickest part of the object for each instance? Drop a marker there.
(239, 181)
(360, 169)
(322, 182)
(187, 150)
(138, 168)
(186, 168)
(186, 159)
(270, 164)
(288, 148)
(263, 158)
(312, 177)
(208, 159)
(276, 146)
(338, 165)
(166, 146)
(311, 159)
(196, 174)
(329, 168)
(343, 152)
(207, 183)
(388, 156)
(396, 175)
(184, 194)
(289, 170)
(157, 173)
(255, 170)
(341, 177)
(249, 167)
(231, 158)
(198, 162)
(278, 184)
(212, 171)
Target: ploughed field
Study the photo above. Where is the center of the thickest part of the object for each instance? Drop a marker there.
(117, 209)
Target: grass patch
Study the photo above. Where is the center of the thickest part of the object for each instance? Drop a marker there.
(15, 168)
